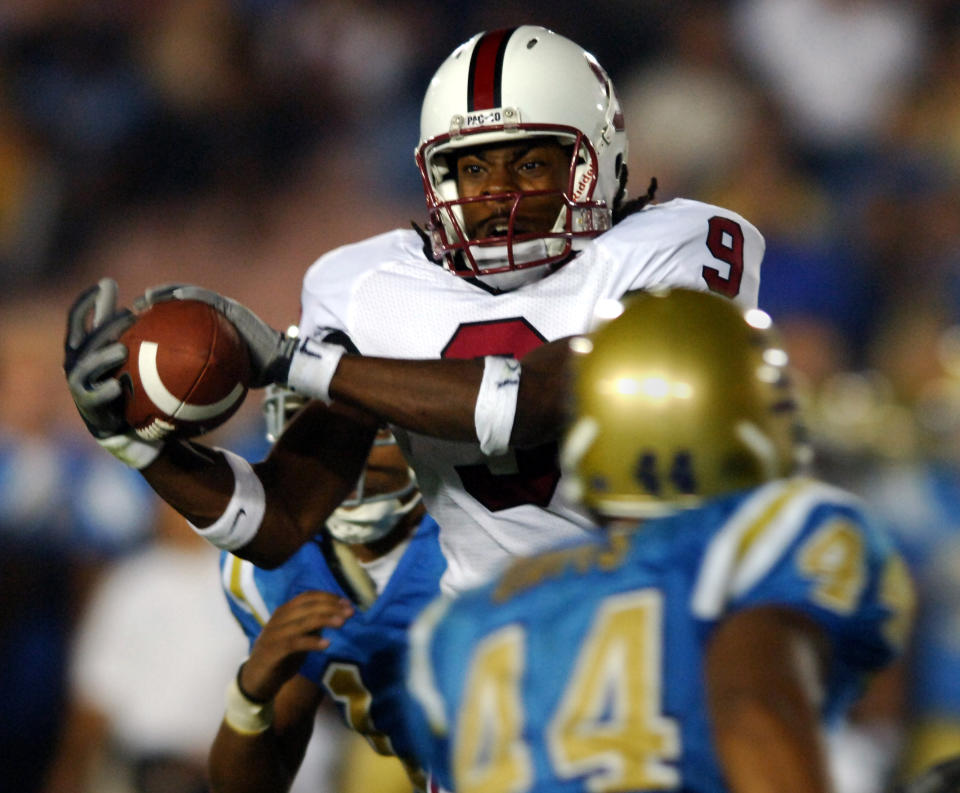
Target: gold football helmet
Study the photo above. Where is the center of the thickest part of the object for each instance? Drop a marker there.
(681, 397)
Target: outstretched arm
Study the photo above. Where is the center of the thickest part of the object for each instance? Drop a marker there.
(763, 676)
(263, 513)
(269, 761)
(309, 471)
(462, 400)
(439, 397)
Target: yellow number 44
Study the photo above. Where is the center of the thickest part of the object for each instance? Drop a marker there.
(608, 726)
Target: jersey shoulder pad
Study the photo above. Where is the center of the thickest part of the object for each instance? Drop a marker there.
(348, 261)
(675, 221)
(331, 279)
(757, 534)
(813, 547)
(253, 593)
(246, 595)
(691, 244)
(423, 563)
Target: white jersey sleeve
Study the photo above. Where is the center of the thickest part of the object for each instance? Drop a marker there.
(331, 284)
(691, 244)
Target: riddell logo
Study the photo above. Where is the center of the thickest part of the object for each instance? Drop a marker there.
(583, 183)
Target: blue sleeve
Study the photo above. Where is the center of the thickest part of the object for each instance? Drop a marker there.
(842, 571)
(243, 612)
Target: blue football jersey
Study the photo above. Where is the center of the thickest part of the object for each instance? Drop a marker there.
(582, 669)
(362, 669)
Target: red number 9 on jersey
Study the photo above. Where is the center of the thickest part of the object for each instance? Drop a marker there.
(725, 243)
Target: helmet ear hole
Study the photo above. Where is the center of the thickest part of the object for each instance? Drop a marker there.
(622, 173)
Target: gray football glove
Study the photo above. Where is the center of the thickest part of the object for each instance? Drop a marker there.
(91, 352)
(270, 350)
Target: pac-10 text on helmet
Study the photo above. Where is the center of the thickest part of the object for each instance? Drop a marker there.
(503, 87)
(682, 397)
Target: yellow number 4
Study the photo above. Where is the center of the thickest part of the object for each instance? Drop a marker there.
(609, 722)
(489, 755)
(833, 558)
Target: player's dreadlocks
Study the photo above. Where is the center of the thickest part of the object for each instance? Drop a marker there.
(622, 209)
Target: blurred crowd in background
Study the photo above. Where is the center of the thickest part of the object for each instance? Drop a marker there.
(231, 142)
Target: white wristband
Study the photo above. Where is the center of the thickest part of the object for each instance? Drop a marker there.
(312, 368)
(241, 519)
(496, 404)
(131, 450)
(245, 716)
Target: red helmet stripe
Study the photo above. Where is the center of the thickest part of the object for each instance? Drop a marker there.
(486, 70)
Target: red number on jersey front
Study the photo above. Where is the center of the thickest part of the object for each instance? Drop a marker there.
(725, 243)
(514, 337)
(526, 476)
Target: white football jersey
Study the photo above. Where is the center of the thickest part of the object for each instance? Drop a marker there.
(394, 303)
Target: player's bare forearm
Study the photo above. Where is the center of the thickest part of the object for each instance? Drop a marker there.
(193, 479)
(543, 403)
(438, 397)
(308, 472)
(198, 483)
(430, 397)
(248, 763)
(763, 689)
(269, 761)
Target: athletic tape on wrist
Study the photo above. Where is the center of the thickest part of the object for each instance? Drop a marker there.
(131, 450)
(496, 404)
(243, 715)
(312, 368)
(241, 519)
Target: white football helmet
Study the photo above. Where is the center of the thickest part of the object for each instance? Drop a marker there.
(363, 517)
(500, 88)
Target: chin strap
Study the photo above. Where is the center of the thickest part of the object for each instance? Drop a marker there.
(492, 257)
(363, 589)
(369, 521)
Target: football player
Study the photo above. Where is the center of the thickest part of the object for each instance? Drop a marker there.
(330, 622)
(699, 650)
(450, 334)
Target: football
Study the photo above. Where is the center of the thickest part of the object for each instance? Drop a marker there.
(186, 373)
